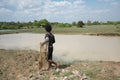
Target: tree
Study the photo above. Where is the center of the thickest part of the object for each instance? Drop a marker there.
(20, 26)
(80, 24)
(42, 23)
(36, 23)
(89, 22)
(74, 23)
(68, 25)
(113, 22)
(96, 23)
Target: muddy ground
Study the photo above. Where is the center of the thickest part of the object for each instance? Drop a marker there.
(20, 65)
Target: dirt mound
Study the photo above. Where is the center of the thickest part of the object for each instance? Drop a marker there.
(14, 63)
(21, 65)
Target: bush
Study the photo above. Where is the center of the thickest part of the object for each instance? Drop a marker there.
(80, 24)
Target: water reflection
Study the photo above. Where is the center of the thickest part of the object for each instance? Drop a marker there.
(68, 47)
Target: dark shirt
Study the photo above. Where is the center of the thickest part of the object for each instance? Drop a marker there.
(51, 38)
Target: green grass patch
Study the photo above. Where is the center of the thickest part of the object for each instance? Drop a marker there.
(63, 74)
(93, 29)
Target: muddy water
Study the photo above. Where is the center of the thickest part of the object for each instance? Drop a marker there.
(68, 47)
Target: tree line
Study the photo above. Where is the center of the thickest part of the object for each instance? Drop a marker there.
(41, 23)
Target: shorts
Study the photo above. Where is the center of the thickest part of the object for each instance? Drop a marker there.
(50, 51)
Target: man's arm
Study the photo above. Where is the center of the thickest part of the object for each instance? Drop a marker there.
(45, 42)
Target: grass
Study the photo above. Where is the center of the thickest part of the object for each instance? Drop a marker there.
(93, 29)
(63, 74)
(17, 62)
(99, 29)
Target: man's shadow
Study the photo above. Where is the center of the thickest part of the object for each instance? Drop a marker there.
(63, 66)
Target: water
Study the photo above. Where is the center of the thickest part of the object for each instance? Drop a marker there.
(68, 47)
(6, 30)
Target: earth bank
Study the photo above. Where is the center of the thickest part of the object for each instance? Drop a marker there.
(20, 65)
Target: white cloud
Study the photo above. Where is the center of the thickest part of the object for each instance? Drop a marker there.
(29, 4)
(115, 4)
(111, 2)
(1, 4)
(63, 11)
(5, 14)
(99, 11)
(4, 11)
(106, 0)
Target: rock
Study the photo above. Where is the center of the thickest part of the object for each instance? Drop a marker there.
(65, 78)
(21, 77)
(57, 70)
(1, 72)
(31, 75)
(84, 77)
(64, 70)
(71, 76)
(75, 72)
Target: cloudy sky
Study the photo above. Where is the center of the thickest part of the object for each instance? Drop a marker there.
(60, 10)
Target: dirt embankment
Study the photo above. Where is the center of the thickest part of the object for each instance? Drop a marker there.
(20, 65)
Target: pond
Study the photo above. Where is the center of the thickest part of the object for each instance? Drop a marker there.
(68, 47)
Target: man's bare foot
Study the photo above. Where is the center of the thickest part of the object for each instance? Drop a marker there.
(56, 66)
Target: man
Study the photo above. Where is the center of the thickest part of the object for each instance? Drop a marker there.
(49, 40)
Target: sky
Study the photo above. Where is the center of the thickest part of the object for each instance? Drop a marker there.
(59, 10)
